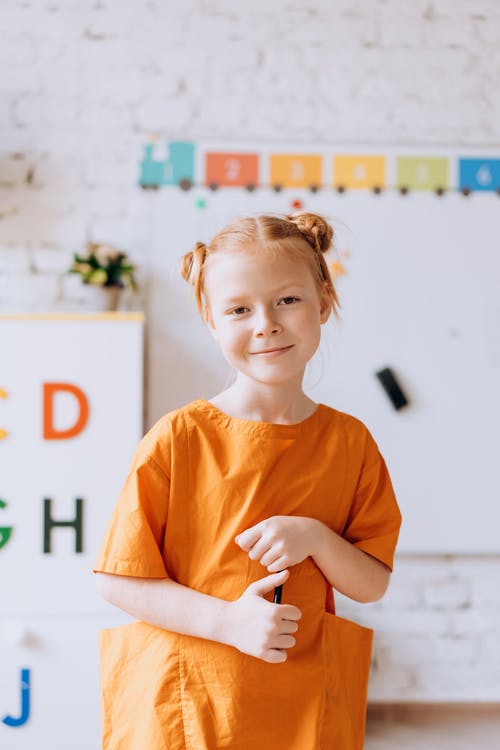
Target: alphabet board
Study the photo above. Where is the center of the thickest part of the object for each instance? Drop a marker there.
(71, 416)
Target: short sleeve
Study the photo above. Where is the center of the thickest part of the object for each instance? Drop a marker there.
(132, 543)
(374, 519)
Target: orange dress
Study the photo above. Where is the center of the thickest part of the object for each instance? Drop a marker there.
(198, 478)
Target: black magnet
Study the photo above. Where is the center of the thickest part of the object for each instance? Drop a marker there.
(392, 388)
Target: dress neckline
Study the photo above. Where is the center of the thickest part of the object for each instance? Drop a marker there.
(266, 427)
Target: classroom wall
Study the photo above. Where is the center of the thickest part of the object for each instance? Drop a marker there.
(84, 84)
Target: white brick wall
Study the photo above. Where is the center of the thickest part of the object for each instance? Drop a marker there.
(437, 630)
(83, 84)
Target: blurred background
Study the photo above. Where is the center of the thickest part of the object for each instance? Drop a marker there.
(95, 97)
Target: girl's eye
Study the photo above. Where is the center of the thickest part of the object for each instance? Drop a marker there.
(238, 310)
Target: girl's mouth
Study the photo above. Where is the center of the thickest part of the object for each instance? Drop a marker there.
(271, 352)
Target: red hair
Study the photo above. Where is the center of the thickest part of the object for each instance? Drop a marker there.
(306, 235)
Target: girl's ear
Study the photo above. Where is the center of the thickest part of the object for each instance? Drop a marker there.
(210, 323)
(325, 305)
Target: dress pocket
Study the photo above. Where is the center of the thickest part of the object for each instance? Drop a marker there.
(139, 688)
(347, 650)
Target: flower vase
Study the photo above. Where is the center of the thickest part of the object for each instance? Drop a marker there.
(100, 298)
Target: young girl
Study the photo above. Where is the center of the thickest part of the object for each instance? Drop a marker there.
(228, 499)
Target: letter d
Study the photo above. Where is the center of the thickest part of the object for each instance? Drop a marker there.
(49, 391)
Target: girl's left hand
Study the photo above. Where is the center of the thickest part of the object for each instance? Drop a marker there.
(280, 541)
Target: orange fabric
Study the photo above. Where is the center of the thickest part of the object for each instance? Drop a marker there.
(198, 478)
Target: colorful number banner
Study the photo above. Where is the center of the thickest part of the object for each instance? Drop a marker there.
(178, 163)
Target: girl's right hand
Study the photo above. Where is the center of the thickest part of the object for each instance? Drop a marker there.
(261, 628)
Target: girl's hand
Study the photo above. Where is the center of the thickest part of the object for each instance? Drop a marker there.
(261, 628)
(280, 541)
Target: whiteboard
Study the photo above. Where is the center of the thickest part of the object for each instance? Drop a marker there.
(421, 294)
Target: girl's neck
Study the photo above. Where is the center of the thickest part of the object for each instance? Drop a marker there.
(269, 404)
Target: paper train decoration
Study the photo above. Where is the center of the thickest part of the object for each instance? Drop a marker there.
(182, 167)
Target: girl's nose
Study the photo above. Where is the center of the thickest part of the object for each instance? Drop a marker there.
(266, 325)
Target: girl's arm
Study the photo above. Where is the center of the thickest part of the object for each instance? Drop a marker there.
(168, 604)
(351, 571)
(250, 624)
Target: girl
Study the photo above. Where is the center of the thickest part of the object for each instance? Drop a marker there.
(229, 498)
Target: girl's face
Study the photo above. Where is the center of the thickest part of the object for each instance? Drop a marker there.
(259, 302)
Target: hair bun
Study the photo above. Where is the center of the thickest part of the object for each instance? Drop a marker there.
(191, 259)
(317, 231)
(186, 265)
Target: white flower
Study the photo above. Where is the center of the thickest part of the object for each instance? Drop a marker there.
(105, 253)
